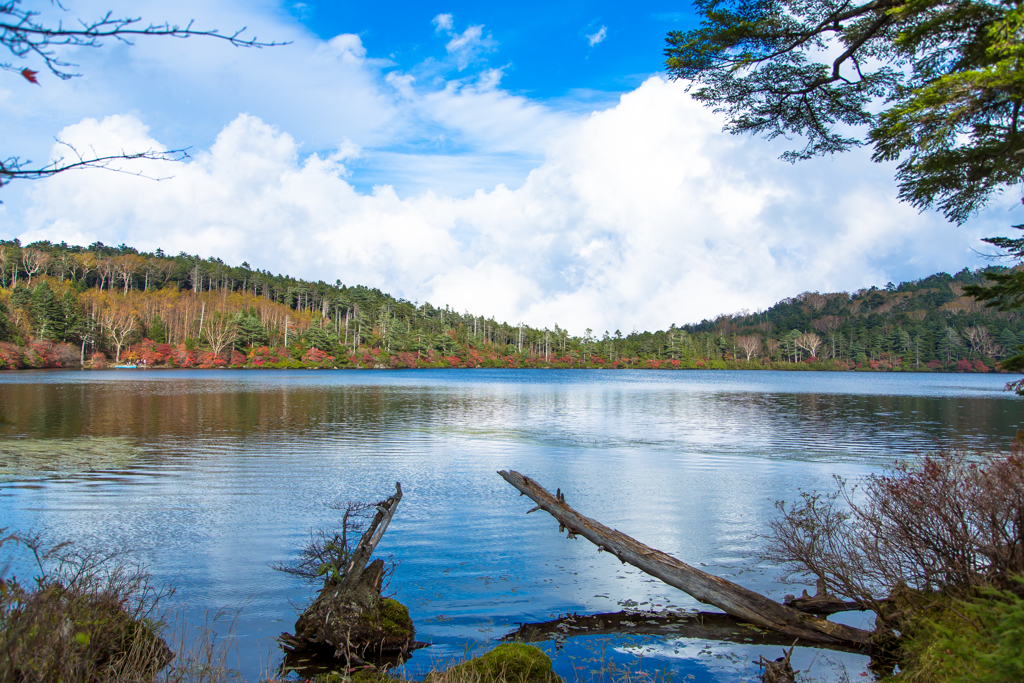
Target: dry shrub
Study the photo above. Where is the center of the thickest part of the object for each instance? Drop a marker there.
(82, 619)
(93, 618)
(948, 522)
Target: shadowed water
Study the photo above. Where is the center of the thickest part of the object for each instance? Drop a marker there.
(210, 476)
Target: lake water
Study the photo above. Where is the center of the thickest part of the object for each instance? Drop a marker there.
(210, 476)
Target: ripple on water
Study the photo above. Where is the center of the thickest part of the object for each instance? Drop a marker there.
(209, 477)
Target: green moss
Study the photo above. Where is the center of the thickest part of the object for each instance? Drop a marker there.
(394, 619)
(386, 627)
(362, 676)
(979, 639)
(507, 663)
(372, 676)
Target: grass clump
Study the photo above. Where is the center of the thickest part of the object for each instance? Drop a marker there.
(977, 639)
(507, 663)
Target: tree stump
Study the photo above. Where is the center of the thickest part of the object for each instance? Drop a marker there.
(349, 620)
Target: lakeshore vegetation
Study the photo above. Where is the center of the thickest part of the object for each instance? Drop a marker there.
(63, 306)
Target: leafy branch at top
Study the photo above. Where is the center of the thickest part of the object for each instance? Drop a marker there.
(945, 74)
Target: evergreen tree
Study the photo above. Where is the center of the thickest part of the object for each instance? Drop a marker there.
(47, 312)
(156, 330)
(250, 330)
(73, 318)
(8, 332)
(321, 339)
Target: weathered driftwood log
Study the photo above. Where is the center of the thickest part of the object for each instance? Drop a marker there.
(699, 625)
(729, 597)
(349, 616)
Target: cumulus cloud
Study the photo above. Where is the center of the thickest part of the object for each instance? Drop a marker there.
(636, 217)
(598, 36)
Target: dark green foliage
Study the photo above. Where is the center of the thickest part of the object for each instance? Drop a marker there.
(48, 313)
(157, 331)
(21, 296)
(7, 330)
(250, 331)
(948, 74)
(319, 338)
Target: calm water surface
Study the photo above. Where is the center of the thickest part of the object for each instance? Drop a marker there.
(210, 476)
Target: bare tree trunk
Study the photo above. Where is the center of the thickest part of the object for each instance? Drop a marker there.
(729, 597)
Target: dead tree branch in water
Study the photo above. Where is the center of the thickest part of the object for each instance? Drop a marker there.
(698, 625)
(729, 597)
(349, 620)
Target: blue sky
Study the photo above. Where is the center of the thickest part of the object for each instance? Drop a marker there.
(529, 162)
(548, 50)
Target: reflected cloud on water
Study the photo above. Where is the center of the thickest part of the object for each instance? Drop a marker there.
(229, 469)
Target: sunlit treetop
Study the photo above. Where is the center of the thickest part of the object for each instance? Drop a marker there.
(938, 85)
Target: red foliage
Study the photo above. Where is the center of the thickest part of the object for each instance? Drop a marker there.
(404, 359)
(10, 357)
(964, 366)
(980, 367)
(314, 355)
(46, 354)
(934, 364)
(99, 359)
(151, 353)
(237, 359)
(184, 358)
(211, 360)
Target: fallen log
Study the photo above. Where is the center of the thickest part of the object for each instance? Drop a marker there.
(731, 598)
(697, 625)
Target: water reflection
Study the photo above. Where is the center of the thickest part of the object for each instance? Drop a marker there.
(227, 471)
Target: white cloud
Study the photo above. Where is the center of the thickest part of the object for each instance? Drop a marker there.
(443, 22)
(638, 216)
(598, 36)
(467, 47)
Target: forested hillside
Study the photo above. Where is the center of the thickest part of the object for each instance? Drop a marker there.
(62, 305)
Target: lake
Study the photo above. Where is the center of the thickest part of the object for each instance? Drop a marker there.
(210, 476)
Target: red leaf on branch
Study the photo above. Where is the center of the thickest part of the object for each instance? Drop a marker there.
(30, 75)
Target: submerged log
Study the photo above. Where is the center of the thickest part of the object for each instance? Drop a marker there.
(349, 618)
(731, 598)
(698, 625)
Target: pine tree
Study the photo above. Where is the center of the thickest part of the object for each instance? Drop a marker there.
(47, 313)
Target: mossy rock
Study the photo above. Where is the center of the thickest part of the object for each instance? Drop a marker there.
(387, 628)
(507, 663)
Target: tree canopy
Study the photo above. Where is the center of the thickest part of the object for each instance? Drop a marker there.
(936, 83)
